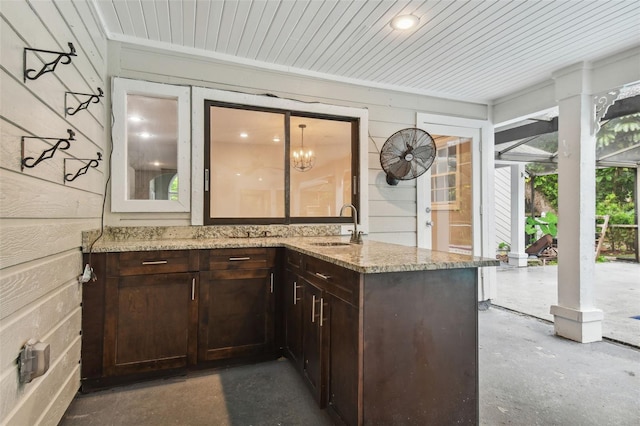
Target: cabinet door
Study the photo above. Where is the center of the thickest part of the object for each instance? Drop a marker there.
(314, 341)
(343, 355)
(236, 313)
(148, 322)
(293, 293)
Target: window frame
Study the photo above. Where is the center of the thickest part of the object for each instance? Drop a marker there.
(287, 219)
(119, 157)
(446, 205)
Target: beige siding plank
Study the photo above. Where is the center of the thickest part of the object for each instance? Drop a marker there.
(22, 196)
(25, 241)
(403, 238)
(379, 225)
(21, 285)
(40, 320)
(391, 193)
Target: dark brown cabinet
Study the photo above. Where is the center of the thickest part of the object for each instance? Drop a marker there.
(375, 348)
(315, 340)
(236, 304)
(342, 388)
(150, 307)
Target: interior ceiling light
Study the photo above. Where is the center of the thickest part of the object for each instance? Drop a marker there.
(135, 118)
(145, 135)
(302, 159)
(276, 139)
(404, 22)
(244, 135)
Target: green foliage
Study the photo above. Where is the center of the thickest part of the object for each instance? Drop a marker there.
(504, 246)
(547, 224)
(620, 212)
(548, 186)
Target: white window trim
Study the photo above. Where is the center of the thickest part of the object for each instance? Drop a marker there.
(200, 94)
(119, 170)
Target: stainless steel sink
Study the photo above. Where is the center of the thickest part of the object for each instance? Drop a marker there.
(330, 244)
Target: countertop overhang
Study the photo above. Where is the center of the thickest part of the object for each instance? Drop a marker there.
(370, 257)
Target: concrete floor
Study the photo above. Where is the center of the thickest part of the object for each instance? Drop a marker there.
(528, 376)
(533, 290)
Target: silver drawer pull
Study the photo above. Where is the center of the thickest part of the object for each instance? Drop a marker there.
(323, 276)
(231, 259)
(321, 310)
(155, 262)
(193, 289)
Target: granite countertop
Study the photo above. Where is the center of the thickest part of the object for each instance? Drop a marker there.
(369, 257)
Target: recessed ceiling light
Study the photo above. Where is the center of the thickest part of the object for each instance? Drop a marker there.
(135, 118)
(156, 163)
(145, 135)
(243, 135)
(404, 22)
(276, 139)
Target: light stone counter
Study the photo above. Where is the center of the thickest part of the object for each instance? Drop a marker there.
(369, 257)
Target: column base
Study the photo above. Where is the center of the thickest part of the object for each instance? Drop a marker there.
(518, 259)
(580, 326)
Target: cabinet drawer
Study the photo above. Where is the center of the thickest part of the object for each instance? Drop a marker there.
(340, 282)
(151, 262)
(293, 260)
(243, 258)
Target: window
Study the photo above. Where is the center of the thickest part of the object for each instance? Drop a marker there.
(265, 165)
(151, 147)
(445, 175)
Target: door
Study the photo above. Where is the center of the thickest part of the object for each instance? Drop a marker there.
(148, 322)
(236, 314)
(448, 192)
(314, 340)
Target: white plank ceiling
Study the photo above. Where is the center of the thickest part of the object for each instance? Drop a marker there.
(472, 50)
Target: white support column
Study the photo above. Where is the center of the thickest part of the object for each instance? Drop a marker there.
(517, 256)
(575, 316)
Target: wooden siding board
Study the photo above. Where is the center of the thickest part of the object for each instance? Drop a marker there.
(24, 197)
(36, 239)
(41, 217)
(71, 16)
(22, 284)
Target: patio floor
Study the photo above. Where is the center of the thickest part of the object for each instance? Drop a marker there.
(532, 291)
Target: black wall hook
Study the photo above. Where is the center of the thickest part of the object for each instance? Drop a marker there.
(62, 144)
(63, 57)
(70, 177)
(84, 105)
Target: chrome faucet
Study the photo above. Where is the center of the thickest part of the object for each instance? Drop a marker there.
(356, 237)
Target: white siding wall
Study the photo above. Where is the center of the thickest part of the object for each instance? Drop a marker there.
(41, 218)
(503, 204)
(392, 210)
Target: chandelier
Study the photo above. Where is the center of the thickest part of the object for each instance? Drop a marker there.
(302, 159)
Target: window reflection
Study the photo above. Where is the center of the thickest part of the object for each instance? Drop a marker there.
(152, 146)
(321, 190)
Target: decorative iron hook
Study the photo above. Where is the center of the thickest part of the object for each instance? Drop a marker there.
(62, 144)
(63, 57)
(84, 105)
(69, 177)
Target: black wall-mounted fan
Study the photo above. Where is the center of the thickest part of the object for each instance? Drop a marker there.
(407, 154)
